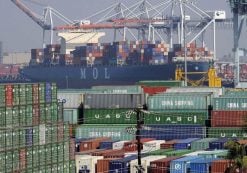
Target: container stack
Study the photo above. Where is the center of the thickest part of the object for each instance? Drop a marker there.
(229, 115)
(32, 136)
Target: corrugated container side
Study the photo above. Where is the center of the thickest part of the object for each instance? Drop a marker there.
(184, 143)
(118, 145)
(202, 144)
(92, 144)
(182, 164)
(71, 116)
(218, 144)
(226, 132)
(86, 163)
(126, 89)
(121, 165)
(220, 166)
(152, 145)
(71, 100)
(168, 144)
(230, 103)
(151, 90)
(201, 165)
(132, 145)
(115, 132)
(103, 165)
(228, 118)
(169, 132)
(107, 144)
(162, 165)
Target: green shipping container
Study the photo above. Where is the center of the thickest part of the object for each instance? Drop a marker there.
(214, 154)
(2, 95)
(16, 95)
(2, 161)
(116, 132)
(176, 117)
(42, 109)
(230, 103)
(41, 92)
(54, 112)
(171, 83)
(179, 101)
(128, 89)
(29, 94)
(71, 116)
(29, 115)
(159, 152)
(72, 166)
(202, 144)
(109, 116)
(54, 92)
(226, 132)
(22, 94)
(178, 152)
(3, 117)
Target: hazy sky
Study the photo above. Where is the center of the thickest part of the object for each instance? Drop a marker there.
(19, 33)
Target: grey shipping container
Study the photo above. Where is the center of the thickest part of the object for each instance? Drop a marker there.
(113, 100)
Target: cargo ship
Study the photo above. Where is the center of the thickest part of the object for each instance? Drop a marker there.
(117, 63)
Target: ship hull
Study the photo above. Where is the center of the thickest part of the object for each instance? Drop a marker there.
(86, 77)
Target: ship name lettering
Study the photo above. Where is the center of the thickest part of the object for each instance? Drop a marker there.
(107, 76)
(234, 135)
(95, 73)
(83, 73)
(222, 135)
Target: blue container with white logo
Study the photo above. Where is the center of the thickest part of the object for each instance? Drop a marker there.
(182, 165)
(184, 143)
(107, 144)
(218, 144)
(121, 165)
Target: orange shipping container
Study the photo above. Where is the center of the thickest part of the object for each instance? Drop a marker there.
(92, 144)
(103, 165)
(168, 144)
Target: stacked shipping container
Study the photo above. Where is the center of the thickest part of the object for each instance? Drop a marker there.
(32, 136)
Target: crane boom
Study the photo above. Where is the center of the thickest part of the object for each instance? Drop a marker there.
(32, 15)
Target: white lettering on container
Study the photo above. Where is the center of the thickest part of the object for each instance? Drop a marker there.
(107, 76)
(95, 73)
(83, 73)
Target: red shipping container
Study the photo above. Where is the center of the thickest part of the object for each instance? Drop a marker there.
(23, 159)
(103, 165)
(168, 144)
(92, 144)
(220, 166)
(228, 118)
(9, 95)
(35, 88)
(36, 114)
(132, 145)
(72, 149)
(162, 165)
(153, 90)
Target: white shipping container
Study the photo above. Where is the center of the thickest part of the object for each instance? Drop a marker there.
(216, 91)
(86, 162)
(71, 100)
(145, 163)
(118, 145)
(152, 145)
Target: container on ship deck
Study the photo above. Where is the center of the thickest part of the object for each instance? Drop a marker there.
(107, 144)
(92, 144)
(168, 144)
(71, 100)
(109, 153)
(169, 132)
(126, 89)
(228, 118)
(201, 165)
(161, 83)
(162, 165)
(2, 95)
(184, 143)
(151, 90)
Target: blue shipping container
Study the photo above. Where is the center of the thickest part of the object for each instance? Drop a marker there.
(122, 165)
(218, 144)
(169, 132)
(201, 165)
(182, 165)
(185, 143)
(29, 137)
(107, 144)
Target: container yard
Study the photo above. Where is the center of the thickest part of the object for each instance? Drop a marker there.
(144, 102)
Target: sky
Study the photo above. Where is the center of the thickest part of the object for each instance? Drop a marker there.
(19, 33)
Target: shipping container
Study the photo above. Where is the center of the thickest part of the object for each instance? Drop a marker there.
(168, 144)
(125, 89)
(118, 145)
(151, 90)
(162, 83)
(71, 116)
(171, 101)
(214, 154)
(227, 132)
(115, 132)
(184, 143)
(202, 165)
(218, 144)
(182, 165)
(99, 101)
(103, 165)
(152, 145)
(107, 144)
(86, 163)
(220, 166)
(121, 165)
(71, 100)
(228, 118)
(158, 152)
(202, 144)
(230, 103)
(145, 163)
(169, 132)
(92, 143)
(162, 165)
